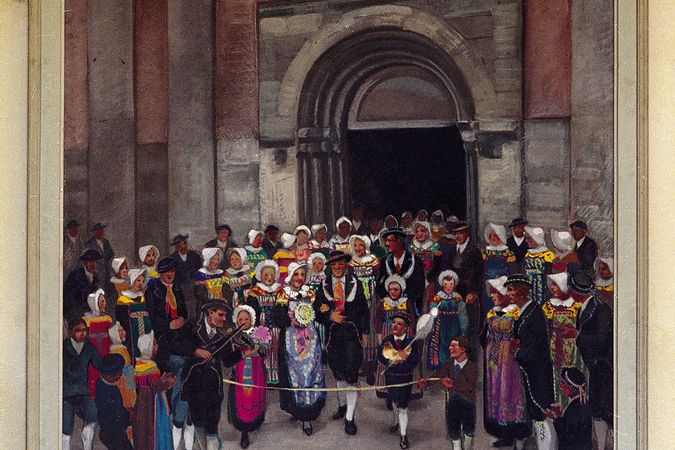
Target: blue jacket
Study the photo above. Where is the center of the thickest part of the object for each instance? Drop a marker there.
(75, 367)
(112, 416)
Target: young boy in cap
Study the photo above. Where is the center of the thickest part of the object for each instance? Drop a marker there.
(573, 425)
(113, 418)
(517, 242)
(459, 376)
(400, 356)
(223, 239)
(78, 353)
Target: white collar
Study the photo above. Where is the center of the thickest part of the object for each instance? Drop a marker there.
(399, 338)
(209, 328)
(356, 224)
(253, 249)
(524, 307)
(399, 260)
(72, 239)
(518, 240)
(601, 282)
(373, 237)
(461, 364)
(585, 303)
(241, 271)
(569, 301)
(462, 247)
(444, 295)
(269, 289)
(206, 271)
(580, 241)
(536, 251)
(115, 280)
(395, 303)
(167, 285)
(498, 248)
(183, 256)
(507, 309)
(131, 294)
(78, 346)
(303, 291)
(220, 243)
(423, 245)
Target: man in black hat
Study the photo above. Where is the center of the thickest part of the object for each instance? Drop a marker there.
(223, 239)
(517, 242)
(99, 243)
(270, 243)
(189, 262)
(208, 346)
(401, 261)
(595, 343)
(342, 307)
(585, 247)
(72, 247)
(466, 260)
(113, 418)
(168, 315)
(531, 347)
(80, 283)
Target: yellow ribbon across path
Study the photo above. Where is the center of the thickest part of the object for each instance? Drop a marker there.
(326, 389)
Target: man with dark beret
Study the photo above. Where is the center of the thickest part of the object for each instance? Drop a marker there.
(531, 350)
(80, 283)
(189, 262)
(585, 248)
(517, 242)
(595, 343)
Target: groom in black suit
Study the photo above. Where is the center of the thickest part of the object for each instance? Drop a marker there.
(585, 247)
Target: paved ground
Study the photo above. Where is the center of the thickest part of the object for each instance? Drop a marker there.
(426, 428)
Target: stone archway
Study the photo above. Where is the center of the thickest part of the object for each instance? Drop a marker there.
(336, 86)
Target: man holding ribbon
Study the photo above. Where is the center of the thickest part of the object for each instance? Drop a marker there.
(342, 307)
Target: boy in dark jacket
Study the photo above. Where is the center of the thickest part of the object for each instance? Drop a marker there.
(113, 417)
(78, 353)
(400, 355)
(574, 425)
(459, 376)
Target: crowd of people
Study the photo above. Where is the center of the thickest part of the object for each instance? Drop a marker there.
(154, 348)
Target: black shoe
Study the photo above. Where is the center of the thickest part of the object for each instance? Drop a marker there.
(350, 427)
(393, 428)
(390, 406)
(307, 428)
(503, 443)
(340, 413)
(404, 442)
(370, 379)
(244, 442)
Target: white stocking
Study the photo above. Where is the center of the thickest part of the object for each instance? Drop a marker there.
(544, 434)
(88, 436)
(176, 433)
(351, 405)
(600, 430)
(65, 442)
(403, 420)
(457, 445)
(341, 394)
(188, 436)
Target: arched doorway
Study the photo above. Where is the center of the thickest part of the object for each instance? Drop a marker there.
(370, 88)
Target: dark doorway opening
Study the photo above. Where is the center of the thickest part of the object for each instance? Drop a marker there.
(395, 170)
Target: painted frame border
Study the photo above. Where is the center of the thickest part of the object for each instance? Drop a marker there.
(33, 172)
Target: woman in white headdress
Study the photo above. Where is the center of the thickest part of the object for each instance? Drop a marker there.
(299, 349)
(499, 260)
(149, 256)
(126, 383)
(302, 248)
(604, 280)
(238, 276)
(132, 310)
(286, 255)
(209, 280)
(120, 267)
(340, 240)
(255, 253)
(98, 321)
(320, 241)
(561, 312)
(565, 259)
(262, 298)
(537, 262)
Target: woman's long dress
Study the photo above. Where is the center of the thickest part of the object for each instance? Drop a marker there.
(299, 357)
(451, 322)
(537, 266)
(151, 424)
(132, 313)
(365, 270)
(505, 407)
(499, 261)
(262, 299)
(246, 406)
(98, 337)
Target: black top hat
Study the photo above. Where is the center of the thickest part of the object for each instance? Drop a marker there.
(271, 227)
(518, 279)
(573, 376)
(518, 222)
(337, 255)
(398, 231)
(72, 223)
(403, 316)
(460, 226)
(581, 282)
(224, 226)
(166, 264)
(579, 224)
(177, 239)
(112, 363)
(91, 255)
(98, 226)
